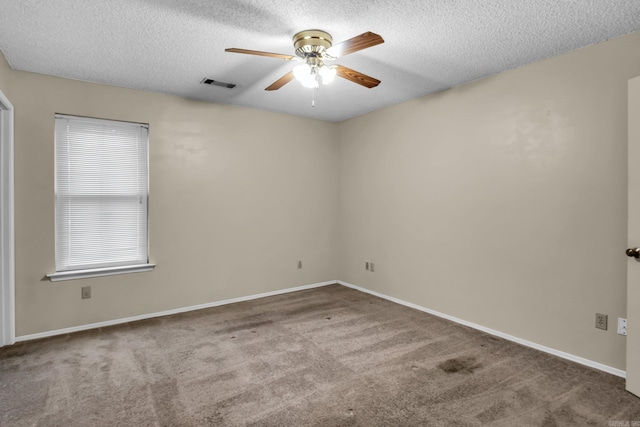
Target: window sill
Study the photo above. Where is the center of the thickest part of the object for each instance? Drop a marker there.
(97, 272)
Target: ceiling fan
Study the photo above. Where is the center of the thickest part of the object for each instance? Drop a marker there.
(313, 48)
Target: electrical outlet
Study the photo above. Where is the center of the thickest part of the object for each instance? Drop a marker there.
(299, 263)
(371, 267)
(86, 292)
(622, 326)
(601, 321)
(366, 265)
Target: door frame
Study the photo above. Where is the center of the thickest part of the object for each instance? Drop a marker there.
(7, 237)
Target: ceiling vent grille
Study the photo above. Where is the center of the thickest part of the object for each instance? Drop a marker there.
(212, 82)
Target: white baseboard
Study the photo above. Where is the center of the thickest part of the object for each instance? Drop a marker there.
(508, 337)
(168, 312)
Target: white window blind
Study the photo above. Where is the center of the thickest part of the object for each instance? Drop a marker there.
(101, 193)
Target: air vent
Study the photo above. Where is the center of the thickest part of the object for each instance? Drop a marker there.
(212, 82)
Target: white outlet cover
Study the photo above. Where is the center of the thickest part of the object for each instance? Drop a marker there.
(622, 326)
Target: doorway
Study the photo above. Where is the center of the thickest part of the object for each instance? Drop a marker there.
(7, 257)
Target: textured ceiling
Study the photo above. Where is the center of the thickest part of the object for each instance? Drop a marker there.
(169, 46)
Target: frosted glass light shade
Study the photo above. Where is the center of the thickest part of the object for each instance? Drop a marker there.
(310, 82)
(302, 72)
(328, 74)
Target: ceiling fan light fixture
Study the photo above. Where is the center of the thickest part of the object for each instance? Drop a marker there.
(302, 72)
(311, 83)
(306, 75)
(328, 74)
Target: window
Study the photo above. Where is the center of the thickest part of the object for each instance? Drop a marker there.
(101, 194)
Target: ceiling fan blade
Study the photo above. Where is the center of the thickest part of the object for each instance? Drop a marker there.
(356, 77)
(355, 44)
(260, 53)
(281, 81)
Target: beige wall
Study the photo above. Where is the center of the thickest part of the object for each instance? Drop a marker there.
(237, 196)
(501, 202)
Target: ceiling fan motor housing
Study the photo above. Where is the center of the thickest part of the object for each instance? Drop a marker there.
(311, 43)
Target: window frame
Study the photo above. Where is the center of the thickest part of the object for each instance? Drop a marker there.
(92, 270)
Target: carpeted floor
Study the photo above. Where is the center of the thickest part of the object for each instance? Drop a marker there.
(330, 356)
